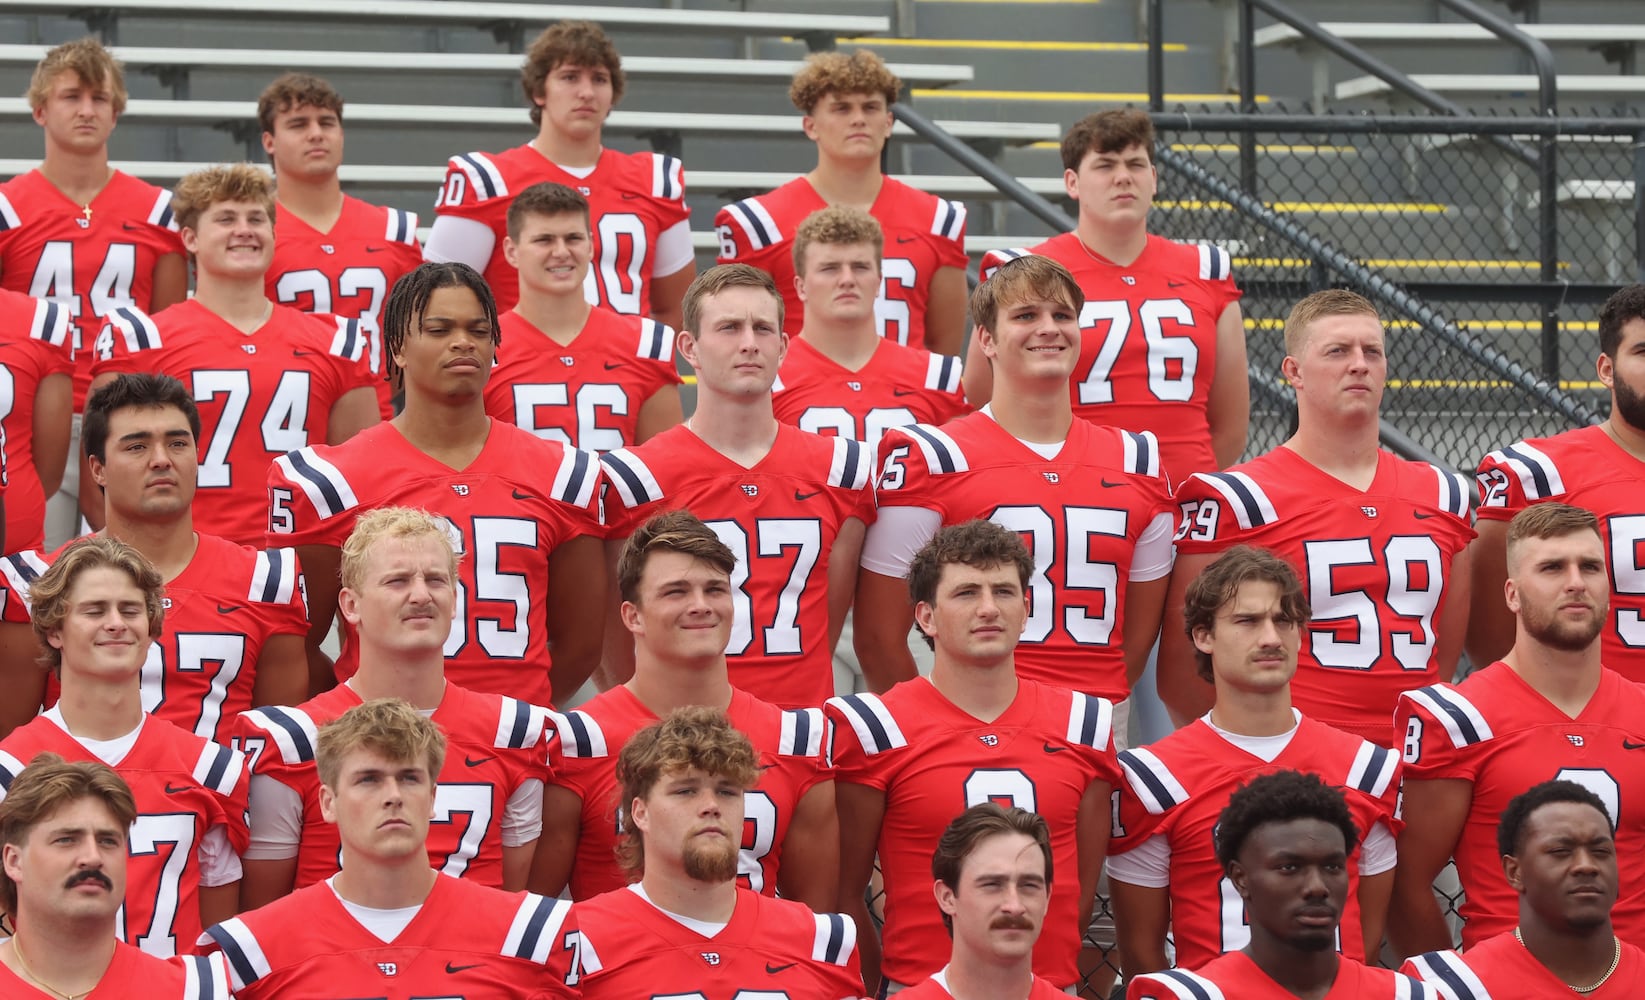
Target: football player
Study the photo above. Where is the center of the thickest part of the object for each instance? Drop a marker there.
(641, 238)
(686, 928)
(64, 832)
(1560, 860)
(522, 509)
(1245, 614)
(1283, 841)
(1091, 502)
(235, 615)
(993, 870)
(573, 372)
(1378, 541)
(36, 361)
(333, 253)
(387, 924)
(1594, 467)
(268, 377)
(95, 611)
(1549, 709)
(840, 376)
(1163, 346)
(399, 575)
(675, 579)
(791, 505)
(909, 761)
(82, 234)
(846, 101)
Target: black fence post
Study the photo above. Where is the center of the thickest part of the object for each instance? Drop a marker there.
(1639, 206)
(1156, 56)
(1248, 97)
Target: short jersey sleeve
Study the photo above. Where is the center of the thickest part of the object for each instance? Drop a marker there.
(1220, 510)
(749, 234)
(1442, 734)
(309, 500)
(126, 332)
(1515, 477)
(475, 188)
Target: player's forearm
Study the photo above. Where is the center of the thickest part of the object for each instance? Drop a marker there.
(882, 651)
(868, 943)
(1415, 923)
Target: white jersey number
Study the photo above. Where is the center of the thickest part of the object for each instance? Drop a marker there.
(774, 538)
(1173, 358)
(1091, 623)
(1415, 572)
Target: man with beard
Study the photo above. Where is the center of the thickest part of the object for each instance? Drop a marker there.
(1559, 857)
(1547, 710)
(686, 928)
(1284, 841)
(1601, 468)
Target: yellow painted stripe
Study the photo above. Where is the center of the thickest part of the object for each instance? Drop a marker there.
(1005, 44)
(1276, 323)
(1320, 207)
(1479, 383)
(1395, 262)
(1228, 147)
(1071, 95)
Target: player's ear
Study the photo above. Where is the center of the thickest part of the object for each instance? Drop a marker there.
(1202, 639)
(639, 816)
(1510, 869)
(1510, 594)
(1071, 184)
(191, 240)
(945, 897)
(511, 252)
(925, 617)
(685, 345)
(1292, 371)
(1606, 369)
(348, 604)
(807, 125)
(1240, 880)
(328, 803)
(630, 612)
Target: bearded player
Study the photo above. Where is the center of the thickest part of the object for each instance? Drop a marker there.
(572, 78)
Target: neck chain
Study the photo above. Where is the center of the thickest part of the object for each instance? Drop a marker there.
(1099, 258)
(1616, 957)
(49, 988)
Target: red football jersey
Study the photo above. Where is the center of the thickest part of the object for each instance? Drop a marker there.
(1160, 378)
(936, 988)
(933, 761)
(632, 199)
(1500, 968)
(587, 393)
(89, 258)
(490, 753)
(518, 500)
(183, 786)
(1081, 515)
(780, 518)
(771, 948)
(922, 234)
(132, 973)
(467, 940)
(261, 394)
(220, 612)
(35, 337)
(1495, 731)
(790, 744)
(346, 271)
(1177, 788)
(897, 387)
(1605, 479)
(1374, 563)
(1235, 977)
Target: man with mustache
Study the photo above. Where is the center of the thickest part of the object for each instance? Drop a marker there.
(1245, 615)
(993, 883)
(95, 611)
(64, 832)
(1560, 859)
(1284, 841)
(686, 928)
(1549, 709)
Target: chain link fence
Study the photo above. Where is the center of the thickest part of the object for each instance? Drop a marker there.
(1447, 209)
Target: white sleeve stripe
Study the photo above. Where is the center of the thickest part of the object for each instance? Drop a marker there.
(587, 958)
(666, 177)
(1185, 985)
(876, 730)
(1538, 475)
(401, 227)
(1155, 785)
(293, 732)
(1462, 721)
(519, 724)
(1456, 492)
(942, 454)
(1372, 770)
(274, 577)
(1450, 976)
(486, 179)
(656, 340)
(536, 928)
(1141, 452)
(633, 480)
(578, 474)
(218, 768)
(802, 733)
(160, 213)
(949, 219)
(245, 956)
(50, 323)
(8, 215)
(836, 939)
(849, 467)
(580, 735)
(135, 327)
(323, 483)
(1090, 720)
(756, 223)
(1250, 504)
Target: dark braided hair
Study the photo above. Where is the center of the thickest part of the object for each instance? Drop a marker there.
(410, 296)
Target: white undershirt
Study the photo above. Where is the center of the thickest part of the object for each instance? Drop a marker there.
(1149, 863)
(706, 928)
(219, 865)
(384, 925)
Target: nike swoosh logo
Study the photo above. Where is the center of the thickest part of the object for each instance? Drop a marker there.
(806, 496)
(522, 496)
(1420, 516)
(229, 609)
(298, 352)
(609, 366)
(1051, 749)
(767, 767)
(1109, 485)
(170, 790)
(629, 195)
(128, 227)
(1175, 284)
(905, 239)
(376, 250)
(902, 392)
(1625, 745)
(774, 969)
(471, 762)
(454, 969)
